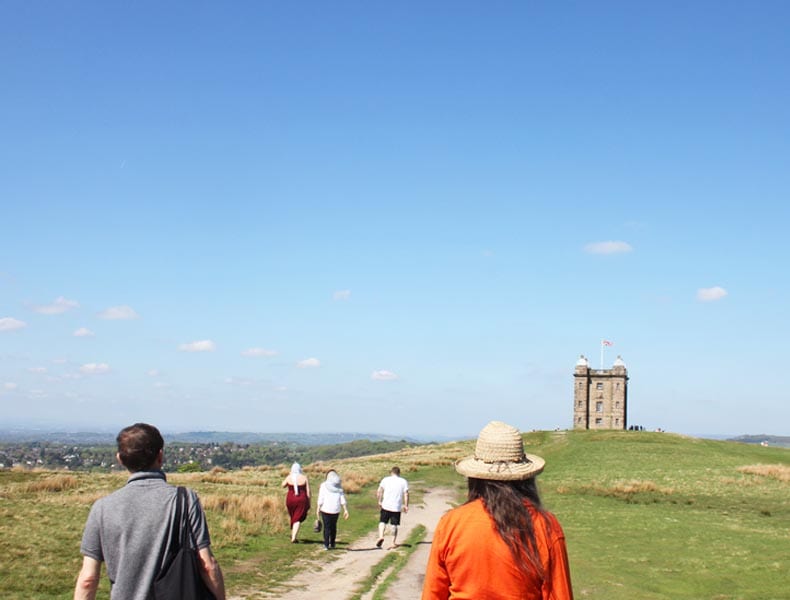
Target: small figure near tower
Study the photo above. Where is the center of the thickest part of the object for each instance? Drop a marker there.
(600, 396)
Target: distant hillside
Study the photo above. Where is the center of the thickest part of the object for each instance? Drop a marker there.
(782, 441)
(198, 437)
(302, 439)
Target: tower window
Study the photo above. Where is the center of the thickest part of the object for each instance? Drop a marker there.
(599, 386)
(599, 407)
(599, 421)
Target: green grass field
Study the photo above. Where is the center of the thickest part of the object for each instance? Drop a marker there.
(646, 515)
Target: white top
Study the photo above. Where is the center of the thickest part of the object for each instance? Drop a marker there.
(393, 488)
(329, 501)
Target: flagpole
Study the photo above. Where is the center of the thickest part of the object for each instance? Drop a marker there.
(601, 355)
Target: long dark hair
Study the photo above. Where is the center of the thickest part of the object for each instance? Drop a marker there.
(504, 501)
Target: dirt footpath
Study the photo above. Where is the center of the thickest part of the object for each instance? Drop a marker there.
(337, 576)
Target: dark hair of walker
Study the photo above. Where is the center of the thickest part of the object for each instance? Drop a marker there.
(504, 501)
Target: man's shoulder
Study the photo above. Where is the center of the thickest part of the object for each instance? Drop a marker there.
(395, 481)
(112, 497)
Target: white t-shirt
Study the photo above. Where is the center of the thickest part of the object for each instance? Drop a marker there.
(393, 488)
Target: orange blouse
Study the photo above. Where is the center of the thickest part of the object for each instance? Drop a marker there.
(470, 560)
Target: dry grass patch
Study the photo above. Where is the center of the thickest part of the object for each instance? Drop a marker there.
(266, 511)
(354, 482)
(262, 469)
(631, 491)
(56, 483)
(232, 478)
(640, 487)
(778, 472)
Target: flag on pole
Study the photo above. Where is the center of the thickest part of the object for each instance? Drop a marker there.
(606, 343)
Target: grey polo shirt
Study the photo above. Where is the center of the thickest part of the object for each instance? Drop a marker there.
(129, 530)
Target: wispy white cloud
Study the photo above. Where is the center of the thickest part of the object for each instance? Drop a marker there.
(59, 361)
(255, 352)
(198, 346)
(59, 306)
(95, 368)
(37, 369)
(383, 375)
(83, 332)
(341, 295)
(240, 381)
(309, 363)
(154, 373)
(10, 385)
(10, 324)
(119, 313)
(610, 247)
(711, 294)
(161, 385)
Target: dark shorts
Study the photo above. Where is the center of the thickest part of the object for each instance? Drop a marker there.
(389, 517)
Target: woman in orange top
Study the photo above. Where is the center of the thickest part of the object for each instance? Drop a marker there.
(501, 544)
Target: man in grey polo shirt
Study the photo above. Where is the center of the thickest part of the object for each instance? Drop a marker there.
(130, 529)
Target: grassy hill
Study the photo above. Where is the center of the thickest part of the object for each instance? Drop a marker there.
(654, 516)
(647, 515)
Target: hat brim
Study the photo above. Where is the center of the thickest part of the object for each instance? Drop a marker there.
(500, 471)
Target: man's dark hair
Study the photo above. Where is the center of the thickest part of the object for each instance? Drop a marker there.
(138, 446)
(395, 471)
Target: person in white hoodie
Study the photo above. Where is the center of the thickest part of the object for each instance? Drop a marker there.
(331, 500)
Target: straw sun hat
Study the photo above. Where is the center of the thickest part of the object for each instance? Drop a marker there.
(499, 455)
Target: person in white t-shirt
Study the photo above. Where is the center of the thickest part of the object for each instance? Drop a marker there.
(393, 497)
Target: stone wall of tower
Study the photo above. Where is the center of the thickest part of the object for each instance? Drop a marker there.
(581, 397)
(600, 397)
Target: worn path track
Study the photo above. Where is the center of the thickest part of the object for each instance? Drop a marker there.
(337, 576)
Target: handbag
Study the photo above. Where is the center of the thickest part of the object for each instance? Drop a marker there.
(180, 579)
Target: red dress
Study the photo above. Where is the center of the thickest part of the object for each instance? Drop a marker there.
(298, 506)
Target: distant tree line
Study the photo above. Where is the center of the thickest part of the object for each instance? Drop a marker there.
(188, 456)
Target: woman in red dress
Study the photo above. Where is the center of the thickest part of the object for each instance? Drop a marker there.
(297, 500)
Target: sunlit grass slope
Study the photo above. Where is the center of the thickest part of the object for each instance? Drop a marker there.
(646, 515)
(652, 515)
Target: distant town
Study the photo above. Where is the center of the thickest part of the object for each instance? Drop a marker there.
(92, 453)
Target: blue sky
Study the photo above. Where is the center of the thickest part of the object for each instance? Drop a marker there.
(403, 218)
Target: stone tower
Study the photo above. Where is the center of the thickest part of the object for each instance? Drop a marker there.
(600, 396)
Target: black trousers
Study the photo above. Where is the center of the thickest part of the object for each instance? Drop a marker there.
(330, 528)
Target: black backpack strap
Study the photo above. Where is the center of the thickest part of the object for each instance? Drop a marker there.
(182, 517)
